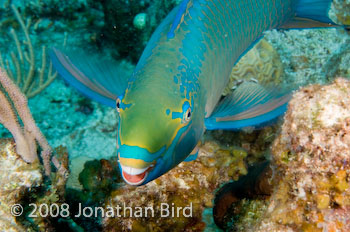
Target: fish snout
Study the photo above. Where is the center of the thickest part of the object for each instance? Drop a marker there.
(136, 163)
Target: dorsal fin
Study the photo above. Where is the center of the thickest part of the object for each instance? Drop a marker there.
(178, 18)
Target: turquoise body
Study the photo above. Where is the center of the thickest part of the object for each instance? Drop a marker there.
(206, 44)
(194, 60)
(184, 68)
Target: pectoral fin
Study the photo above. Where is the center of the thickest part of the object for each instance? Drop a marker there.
(98, 78)
(311, 14)
(249, 105)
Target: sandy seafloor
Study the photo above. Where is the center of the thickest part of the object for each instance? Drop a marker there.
(88, 129)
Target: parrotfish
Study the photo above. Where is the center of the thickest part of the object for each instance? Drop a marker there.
(174, 93)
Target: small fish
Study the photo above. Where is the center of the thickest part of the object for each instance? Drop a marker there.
(173, 95)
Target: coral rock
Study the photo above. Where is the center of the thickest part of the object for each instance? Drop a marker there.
(261, 63)
(340, 12)
(17, 178)
(312, 156)
(190, 183)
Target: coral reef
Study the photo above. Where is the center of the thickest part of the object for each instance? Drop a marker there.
(261, 63)
(89, 131)
(305, 53)
(340, 12)
(246, 213)
(52, 194)
(95, 136)
(92, 136)
(22, 184)
(240, 204)
(17, 179)
(256, 142)
(337, 64)
(312, 157)
(99, 177)
(20, 169)
(189, 184)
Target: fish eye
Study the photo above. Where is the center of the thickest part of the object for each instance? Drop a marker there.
(118, 105)
(188, 115)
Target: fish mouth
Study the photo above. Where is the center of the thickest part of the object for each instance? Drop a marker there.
(135, 176)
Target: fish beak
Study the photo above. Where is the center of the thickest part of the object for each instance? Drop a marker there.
(135, 176)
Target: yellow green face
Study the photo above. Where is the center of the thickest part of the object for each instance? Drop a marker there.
(149, 122)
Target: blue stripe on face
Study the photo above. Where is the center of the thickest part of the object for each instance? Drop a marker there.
(180, 115)
(167, 161)
(122, 105)
(135, 152)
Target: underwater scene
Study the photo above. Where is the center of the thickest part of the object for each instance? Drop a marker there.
(175, 115)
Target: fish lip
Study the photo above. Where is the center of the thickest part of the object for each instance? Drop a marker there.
(133, 171)
(128, 172)
(135, 183)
